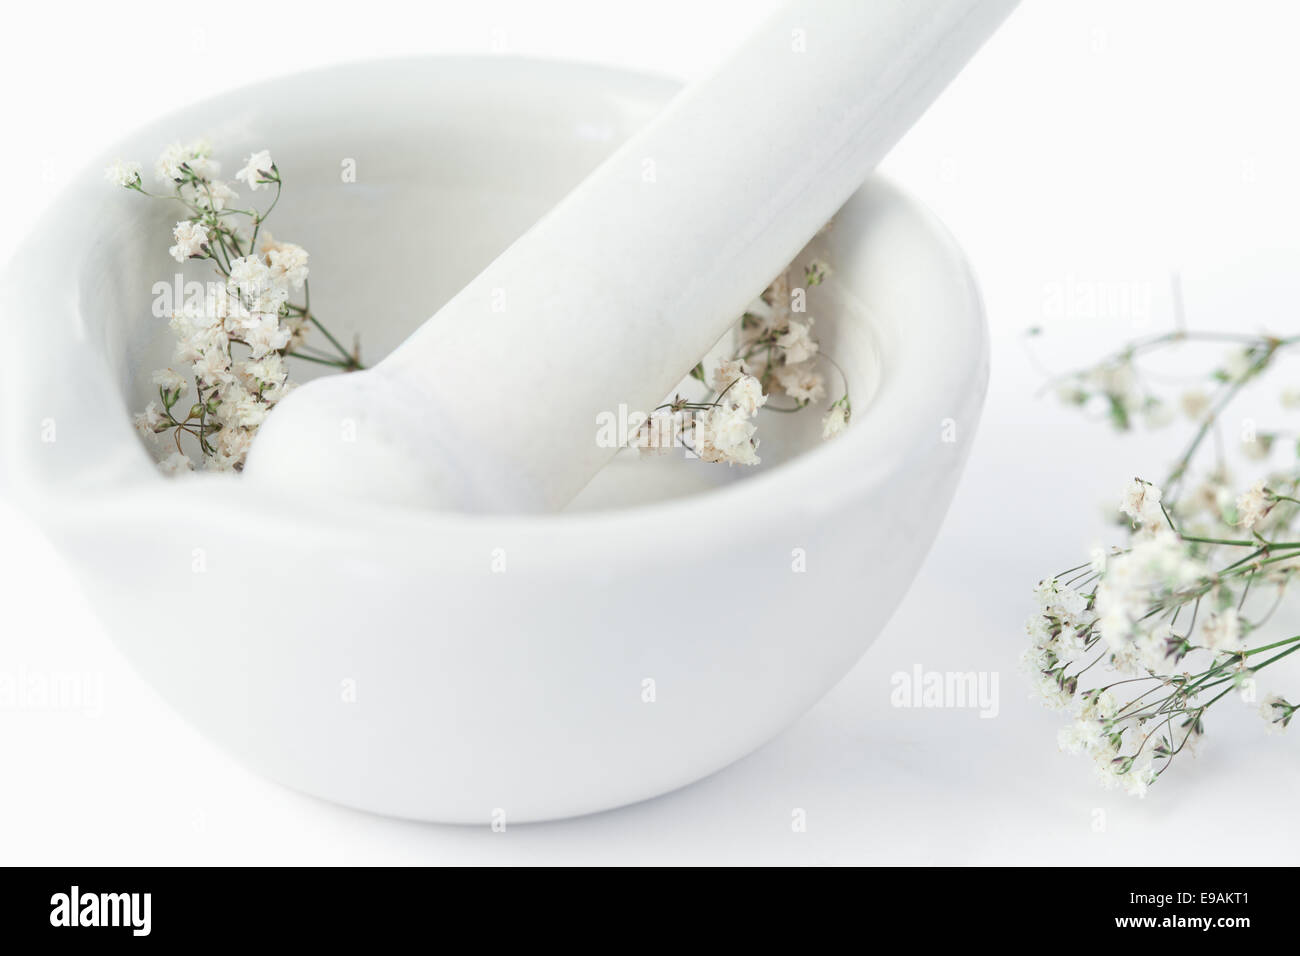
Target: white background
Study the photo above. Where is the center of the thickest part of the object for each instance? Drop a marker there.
(1093, 146)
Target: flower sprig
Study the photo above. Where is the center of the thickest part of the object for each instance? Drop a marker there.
(251, 305)
(777, 355)
(1140, 642)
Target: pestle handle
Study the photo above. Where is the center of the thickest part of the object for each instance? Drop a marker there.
(615, 294)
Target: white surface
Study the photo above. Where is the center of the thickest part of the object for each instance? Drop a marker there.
(1090, 143)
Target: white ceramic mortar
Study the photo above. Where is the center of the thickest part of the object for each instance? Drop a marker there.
(378, 656)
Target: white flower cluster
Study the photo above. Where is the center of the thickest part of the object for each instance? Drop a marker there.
(236, 392)
(258, 171)
(1253, 506)
(250, 308)
(1141, 502)
(718, 431)
(725, 432)
(778, 356)
(1174, 614)
(1096, 733)
(778, 346)
(1277, 712)
(123, 173)
(1156, 568)
(1060, 632)
(191, 240)
(780, 349)
(1123, 612)
(186, 164)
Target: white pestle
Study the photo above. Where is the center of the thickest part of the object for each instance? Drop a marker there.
(615, 294)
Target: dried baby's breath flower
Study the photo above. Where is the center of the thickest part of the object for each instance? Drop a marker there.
(151, 420)
(123, 173)
(1277, 712)
(725, 433)
(837, 419)
(797, 342)
(250, 309)
(1172, 623)
(728, 371)
(745, 394)
(176, 463)
(801, 381)
(285, 261)
(180, 163)
(258, 170)
(1221, 631)
(171, 384)
(211, 196)
(191, 238)
(777, 356)
(1141, 502)
(1254, 505)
